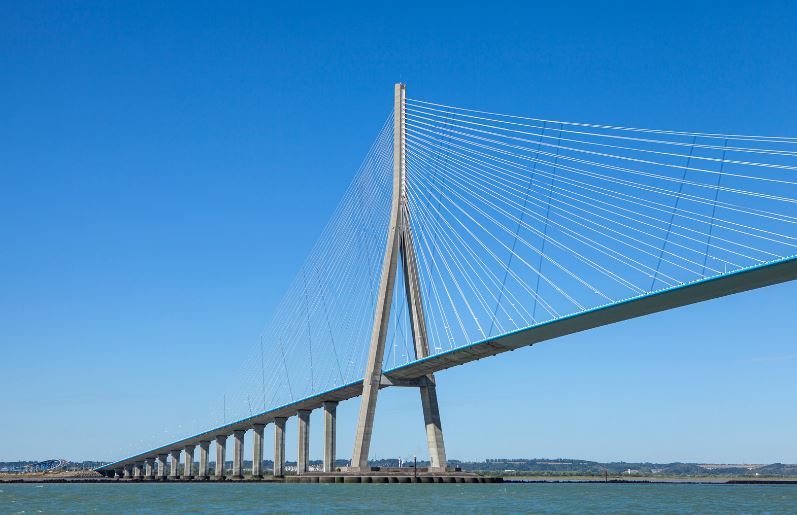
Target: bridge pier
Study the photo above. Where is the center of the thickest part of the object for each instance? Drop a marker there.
(149, 468)
(238, 454)
(188, 466)
(304, 441)
(137, 466)
(257, 450)
(330, 420)
(204, 450)
(174, 464)
(279, 446)
(127, 472)
(221, 455)
(161, 461)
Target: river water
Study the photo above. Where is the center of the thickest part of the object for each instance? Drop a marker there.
(396, 498)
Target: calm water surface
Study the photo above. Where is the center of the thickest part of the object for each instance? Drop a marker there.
(411, 498)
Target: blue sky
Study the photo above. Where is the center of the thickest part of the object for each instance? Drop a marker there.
(164, 170)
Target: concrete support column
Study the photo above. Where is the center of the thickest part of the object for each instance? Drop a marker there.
(279, 446)
(128, 472)
(161, 461)
(149, 468)
(304, 441)
(137, 466)
(434, 430)
(204, 450)
(117, 473)
(238, 454)
(174, 465)
(330, 408)
(188, 466)
(257, 450)
(221, 454)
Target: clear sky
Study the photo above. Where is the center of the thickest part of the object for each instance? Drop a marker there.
(164, 169)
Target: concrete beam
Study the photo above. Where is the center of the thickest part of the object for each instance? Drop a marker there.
(188, 466)
(415, 382)
(221, 455)
(238, 454)
(302, 460)
(330, 421)
(257, 450)
(204, 451)
(279, 446)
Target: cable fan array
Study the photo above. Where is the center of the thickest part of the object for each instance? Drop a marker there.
(520, 220)
(318, 337)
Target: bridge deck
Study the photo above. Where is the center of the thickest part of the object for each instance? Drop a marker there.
(733, 282)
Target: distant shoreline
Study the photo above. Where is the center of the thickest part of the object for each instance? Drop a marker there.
(513, 480)
(653, 480)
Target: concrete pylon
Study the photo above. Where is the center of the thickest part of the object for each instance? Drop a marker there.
(257, 450)
(204, 451)
(399, 242)
(279, 446)
(330, 421)
(137, 469)
(174, 465)
(221, 455)
(188, 466)
(238, 454)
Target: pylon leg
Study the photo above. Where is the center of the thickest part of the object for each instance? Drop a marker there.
(434, 430)
(431, 410)
(373, 371)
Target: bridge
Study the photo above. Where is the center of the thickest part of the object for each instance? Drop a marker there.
(505, 231)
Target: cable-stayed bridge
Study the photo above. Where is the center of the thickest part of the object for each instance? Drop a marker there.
(468, 233)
